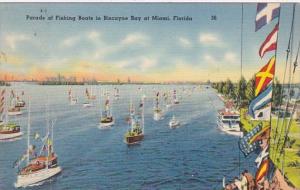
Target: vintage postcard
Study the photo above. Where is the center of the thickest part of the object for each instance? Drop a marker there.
(149, 95)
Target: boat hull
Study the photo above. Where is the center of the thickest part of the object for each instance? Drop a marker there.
(106, 125)
(10, 136)
(168, 105)
(87, 105)
(234, 132)
(157, 116)
(13, 113)
(134, 139)
(36, 177)
(174, 125)
(73, 102)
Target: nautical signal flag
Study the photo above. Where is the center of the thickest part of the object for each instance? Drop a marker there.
(264, 76)
(262, 156)
(265, 13)
(262, 170)
(247, 143)
(270, 42)
(260, 101)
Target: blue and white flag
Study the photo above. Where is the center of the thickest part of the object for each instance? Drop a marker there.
(265, 13)
(260, 101)
(247, 143)
(262, 155)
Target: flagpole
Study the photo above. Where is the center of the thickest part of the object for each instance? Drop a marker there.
(240, 100)
(28, 131)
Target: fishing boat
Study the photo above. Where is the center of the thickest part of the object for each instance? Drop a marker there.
(175, 99)
(136, 132)
(20, 102)
(72, 98)
(87, 102)
(229, 122)
(13, 110)
(8, 130)
(117, 94)
(106, 119)
(157, 115)
(91, 96)
(174, 123)
(167, 99)
(38, 168)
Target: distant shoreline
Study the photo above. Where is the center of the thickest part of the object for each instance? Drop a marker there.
(57, 83)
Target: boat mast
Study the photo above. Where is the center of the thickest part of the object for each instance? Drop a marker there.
(100, 103)
(110, 107)
(240, 99)
(47, 120)
(28, 131)
(6, 106)
(143, 126)
(52, 136)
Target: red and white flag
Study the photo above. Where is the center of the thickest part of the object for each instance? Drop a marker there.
(270, 42)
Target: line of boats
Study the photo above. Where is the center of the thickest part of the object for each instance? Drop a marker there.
(44, 165)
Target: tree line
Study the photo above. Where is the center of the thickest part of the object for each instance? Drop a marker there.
(243, 92)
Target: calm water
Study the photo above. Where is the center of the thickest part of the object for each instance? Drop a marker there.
(195, 156)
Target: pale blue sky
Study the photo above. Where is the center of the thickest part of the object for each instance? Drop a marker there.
(200, 49)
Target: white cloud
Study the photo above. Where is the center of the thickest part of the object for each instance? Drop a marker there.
(230, 57)
(137, 63)
(135, 38)
(70, 41)
(210, 39)
(11, 40)
(123, 64)
(209, 59)
(147, 63)
(93, 35)
(184, 42)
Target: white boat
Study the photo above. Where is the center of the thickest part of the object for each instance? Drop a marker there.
(19, 101)
(14, 111)
(36, 177)
(174, 123)
(175, 99)
(157, 111)
(73, 100)
(107, 123)
(117, 93)
(157, 115)
(10, 131)
(87, 104)
(41, 167)
(229, 122)
(90, 95)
